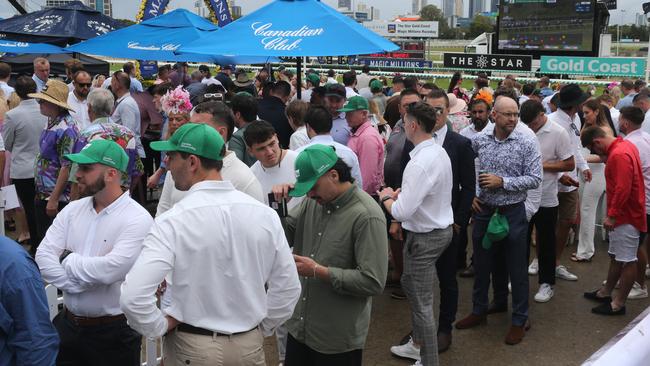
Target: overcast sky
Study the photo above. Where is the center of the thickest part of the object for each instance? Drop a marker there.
(388, 8)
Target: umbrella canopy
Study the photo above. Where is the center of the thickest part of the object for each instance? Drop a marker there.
(156, 39)
(292, 28)
(24, 64)
(59, 25)
(27, 47)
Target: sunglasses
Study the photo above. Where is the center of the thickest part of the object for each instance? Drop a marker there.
(84, 85)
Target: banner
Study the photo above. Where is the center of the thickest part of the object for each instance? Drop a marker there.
(606, 66)
(488, 62)
(151, 9)
(219, 12)
(392, 62)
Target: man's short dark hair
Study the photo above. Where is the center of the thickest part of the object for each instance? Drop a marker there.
(430, 86)
(258, 132)
(282, 89)
(79, 72)
(437, 94)
(398, 79)
(588, 135)
(506, 92)
(477, 101)
(25, 85)
(528, 89)
(164, 68)
(642, 95)
(204, 68)
(365, 69)
(482, 82)
(627, 84)
(123, 78)
(318, 95)
(424, 114)
(544, 81)
(410, 82)
(221, 115)
(330, 73)
(407, 92)
(128, 67)
(5, 71)
(319, 119)
(162, 88)
(349, 78)
(344, 171)
(246, 105)
(639, 84)
(633, 114)
(530, 109)
(207, 164)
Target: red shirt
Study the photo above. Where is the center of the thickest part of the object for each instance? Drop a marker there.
(625, 188)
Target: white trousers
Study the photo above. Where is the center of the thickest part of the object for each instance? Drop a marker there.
(591, 195)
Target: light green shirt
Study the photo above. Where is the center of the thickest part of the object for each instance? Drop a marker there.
(347, 235)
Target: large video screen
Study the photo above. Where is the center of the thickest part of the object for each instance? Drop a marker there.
(546, 25)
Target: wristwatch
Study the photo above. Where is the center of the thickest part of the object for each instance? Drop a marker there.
(386, 199)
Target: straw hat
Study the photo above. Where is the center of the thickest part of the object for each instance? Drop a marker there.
(55, 92)
(243, 80)
(456, 105)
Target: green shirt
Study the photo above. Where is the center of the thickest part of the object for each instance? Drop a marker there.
(347, 235)
(238, 146)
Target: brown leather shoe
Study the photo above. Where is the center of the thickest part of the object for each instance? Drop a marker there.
(471, 321)
(444, 341)
(516, 333)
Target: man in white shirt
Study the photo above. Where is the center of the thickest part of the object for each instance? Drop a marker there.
(570, 100)
(631, 121)
(208, 79)
(5, 75)
(218, 116)
(77, 99)
(335, 97)
(86, 253)
(232, 282)
(627, 87)
(41, 73)
(126, 111)
(423, 206)
(642, 101)
(318, 121)
(350, 83)
(557, 157)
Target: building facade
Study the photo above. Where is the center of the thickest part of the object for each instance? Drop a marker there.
(476, 7)
(417, 5)
(104, 6)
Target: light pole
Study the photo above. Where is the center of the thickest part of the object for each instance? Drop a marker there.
(618, 37)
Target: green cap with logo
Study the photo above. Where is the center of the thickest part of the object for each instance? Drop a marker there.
(105, 152)
(356, 103)
(497, 230)
(310, 165)
(376, 85)
(313, 78)
(195, 139)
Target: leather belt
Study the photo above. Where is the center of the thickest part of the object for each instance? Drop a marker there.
(82, 321)
(186, 328)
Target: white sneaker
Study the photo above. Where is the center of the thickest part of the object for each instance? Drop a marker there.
(637, 292)
(617, 286)
(533, 269)
(509, 287)
(544, 293)
(407, 350)
(563, 273)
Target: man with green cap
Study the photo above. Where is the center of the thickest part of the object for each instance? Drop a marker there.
(341, 251)
(87, 251)
(232, 282)
(366, 142)
(312, 81)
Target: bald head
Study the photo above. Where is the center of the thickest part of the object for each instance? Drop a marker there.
(504, 102)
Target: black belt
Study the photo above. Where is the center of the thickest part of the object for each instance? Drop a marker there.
(83, 321)
(186, 328)
(506, 207)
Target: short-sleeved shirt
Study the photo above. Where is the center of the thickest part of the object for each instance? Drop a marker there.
(555, 145)
(58, 139)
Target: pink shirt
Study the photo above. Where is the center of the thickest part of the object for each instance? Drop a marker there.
(369, 147)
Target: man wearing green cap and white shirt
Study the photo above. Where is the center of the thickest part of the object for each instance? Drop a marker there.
(231, 283)
(87, 251)
(311, 81)
(366, 142)
(341, 251)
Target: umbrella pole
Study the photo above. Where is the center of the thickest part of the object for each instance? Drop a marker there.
(299, 77)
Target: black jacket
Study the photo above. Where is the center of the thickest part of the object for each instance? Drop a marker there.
(460, 152)
(271, 109)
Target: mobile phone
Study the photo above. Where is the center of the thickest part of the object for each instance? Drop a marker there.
(279, 206)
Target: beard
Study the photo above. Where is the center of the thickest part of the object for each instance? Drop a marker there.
(90, 189)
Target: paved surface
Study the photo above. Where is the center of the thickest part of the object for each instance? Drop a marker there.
(564, 331)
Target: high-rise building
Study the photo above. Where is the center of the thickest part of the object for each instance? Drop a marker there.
(458, 8)
(448, 7)
(417, 5)
(345, 4)
(104, 6)
(53, 3)
(494, 6)
(476, 7)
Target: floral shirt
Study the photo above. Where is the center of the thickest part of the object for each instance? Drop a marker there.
(58, 139)
(103, 128)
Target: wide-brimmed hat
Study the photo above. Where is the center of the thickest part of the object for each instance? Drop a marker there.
(456, 104)
(571, 95)
(243, 80)
(55, 92)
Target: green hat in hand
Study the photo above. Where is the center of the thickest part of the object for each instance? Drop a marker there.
(195, 139)
(356, 103)
(105, 152)
(497, 230)
(310, 165)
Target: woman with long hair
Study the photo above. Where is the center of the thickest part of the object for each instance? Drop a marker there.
(455, 87)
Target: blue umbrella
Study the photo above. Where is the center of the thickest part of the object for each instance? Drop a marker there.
(27, 47)
(291, 28)
(157, 39)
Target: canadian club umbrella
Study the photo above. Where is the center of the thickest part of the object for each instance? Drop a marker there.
(291, 28)
(156, 39)
(28, 47)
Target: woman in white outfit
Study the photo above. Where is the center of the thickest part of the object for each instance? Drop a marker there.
(594, 115)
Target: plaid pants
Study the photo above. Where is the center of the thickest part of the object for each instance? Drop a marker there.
(421, 251)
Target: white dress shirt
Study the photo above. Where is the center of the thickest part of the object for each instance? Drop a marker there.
(298, 138)
(615, 113)
(220, 265)
(641, 140)
(646, 122)
(80, 108)
(424, 203)
(234, 171)
(6, 89)
(40, 84)
(211, 81)
(439, 136)
(127, 113)
(104, 246)
(283, 173)
(345, 153)
(469, 131)
(555, 145)
(349, 93)
(572, 127)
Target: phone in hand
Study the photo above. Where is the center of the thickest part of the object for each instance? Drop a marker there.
(279, 206)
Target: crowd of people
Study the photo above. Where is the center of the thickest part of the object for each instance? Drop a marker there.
(285, 207)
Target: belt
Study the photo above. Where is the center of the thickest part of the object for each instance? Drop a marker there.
(186, 328)
(506, 207)
(82, 321)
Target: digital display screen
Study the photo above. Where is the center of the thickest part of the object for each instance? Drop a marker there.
(546, 25)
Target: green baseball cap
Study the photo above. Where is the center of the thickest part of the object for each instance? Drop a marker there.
(497, 230)
(376, 85)
(105, 152)
(195, 139)
(313, 78)
(356, 103)
(310, 165)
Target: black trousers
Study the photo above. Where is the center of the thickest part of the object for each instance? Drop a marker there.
(462, 239)
(42, 221)
(299, 354)
(545, 221)
(446, 270)
(103, 345)
(26, 191)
